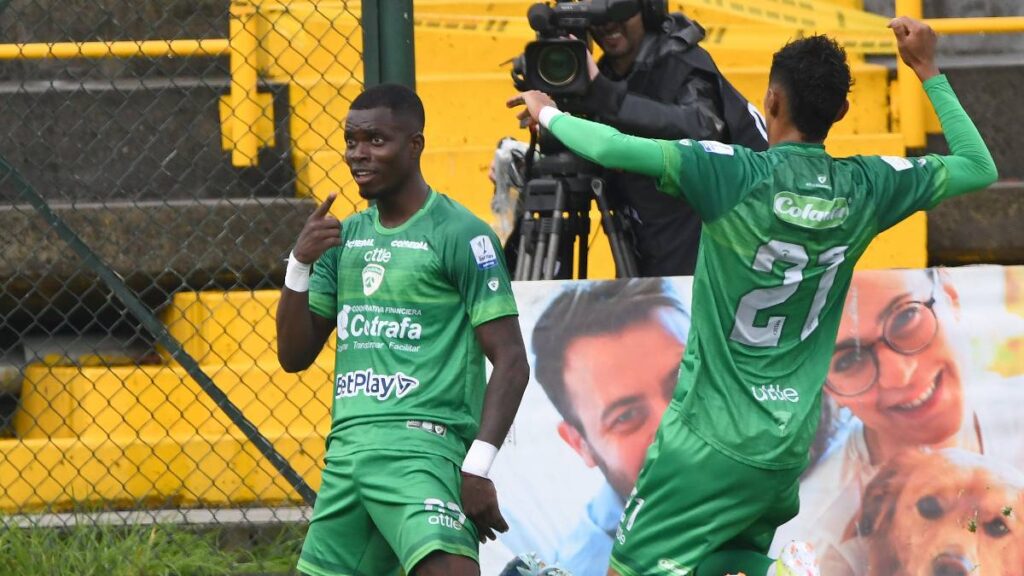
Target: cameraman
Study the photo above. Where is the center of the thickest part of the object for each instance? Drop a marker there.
(655, 81)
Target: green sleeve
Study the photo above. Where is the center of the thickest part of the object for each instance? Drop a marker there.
(906, 185)
(970, 165)
(710, 175)
(608, 147)
(323, 284)
(713, 177)
(475, 265)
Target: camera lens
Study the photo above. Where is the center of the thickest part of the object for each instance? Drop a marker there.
(557, 65)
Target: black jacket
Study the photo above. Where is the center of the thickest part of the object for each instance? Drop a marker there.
(673, 91)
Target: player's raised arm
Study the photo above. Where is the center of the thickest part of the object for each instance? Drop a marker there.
(300, 332)
(709, 188)
(596, 142)
(970, 165)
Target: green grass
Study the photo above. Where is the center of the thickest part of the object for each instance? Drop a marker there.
(145, 551)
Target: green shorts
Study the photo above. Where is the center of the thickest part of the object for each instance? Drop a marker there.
(378, 511)
(691, 500)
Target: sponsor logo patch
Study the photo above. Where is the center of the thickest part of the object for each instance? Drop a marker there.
(483, 252)
(670, 566)
(410, 244)
(343, 322)
(775, 393)
(810, 212)
(432, 427)
(357, 324)
(365, 243)
(448, 514)
(378, 255)
(898, 163)
(712, 147)
(379, 386)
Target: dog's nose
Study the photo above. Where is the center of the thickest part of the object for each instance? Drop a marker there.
(952, 565)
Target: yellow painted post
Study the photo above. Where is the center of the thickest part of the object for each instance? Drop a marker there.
(245, 105)
(910, 92)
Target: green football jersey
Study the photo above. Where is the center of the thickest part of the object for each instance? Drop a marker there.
(406, 301)
(782, 232)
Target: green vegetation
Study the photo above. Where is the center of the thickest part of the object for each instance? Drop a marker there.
(158, 550)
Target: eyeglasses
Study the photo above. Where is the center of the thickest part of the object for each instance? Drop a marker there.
(906, 329)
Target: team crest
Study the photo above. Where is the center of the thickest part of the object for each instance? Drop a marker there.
(493, 284)
(373, 275)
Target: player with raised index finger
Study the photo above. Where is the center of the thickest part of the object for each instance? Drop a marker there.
(419, 296)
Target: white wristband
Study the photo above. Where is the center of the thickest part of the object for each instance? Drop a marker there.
(296, 276)
(479, 458)
(547, 114)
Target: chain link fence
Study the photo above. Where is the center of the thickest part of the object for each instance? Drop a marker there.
(159, 159)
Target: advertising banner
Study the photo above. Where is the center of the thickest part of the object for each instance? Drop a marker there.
(917, 465)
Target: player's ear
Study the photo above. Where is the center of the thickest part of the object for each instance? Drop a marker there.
(416, 144)
(574, 438)
(842, 111)
(770, 102)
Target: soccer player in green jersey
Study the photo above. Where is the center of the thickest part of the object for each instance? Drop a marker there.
(782, 231)
(418, 293)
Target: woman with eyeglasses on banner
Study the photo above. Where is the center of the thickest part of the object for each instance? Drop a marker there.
(901, 366)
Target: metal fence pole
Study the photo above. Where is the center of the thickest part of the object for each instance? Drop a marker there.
(389, 54)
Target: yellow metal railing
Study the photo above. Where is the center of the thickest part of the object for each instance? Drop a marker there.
(245, 120)
(911, 95)
(118, 49)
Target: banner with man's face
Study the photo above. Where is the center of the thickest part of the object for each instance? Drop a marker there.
(916, 468)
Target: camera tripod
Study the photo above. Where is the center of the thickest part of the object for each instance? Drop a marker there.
(556, 220)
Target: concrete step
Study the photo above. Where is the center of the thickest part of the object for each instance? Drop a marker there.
(56, 21)
(133, 139)
(157, 247)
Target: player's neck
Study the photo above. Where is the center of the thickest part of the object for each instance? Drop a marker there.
(782, 131)
(394, 210)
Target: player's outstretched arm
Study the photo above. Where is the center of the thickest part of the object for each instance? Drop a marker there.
(502, 343)
(301, 333)
(596, 142)
(970, 165)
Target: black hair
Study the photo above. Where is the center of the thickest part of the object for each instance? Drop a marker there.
(591, 309)
(401, 100)
(815, 76)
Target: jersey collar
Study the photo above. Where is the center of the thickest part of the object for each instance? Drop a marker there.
(401, 227)
(802, 147)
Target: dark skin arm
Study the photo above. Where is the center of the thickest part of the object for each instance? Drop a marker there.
(916, 43)
(502, 343)
(301, 334)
